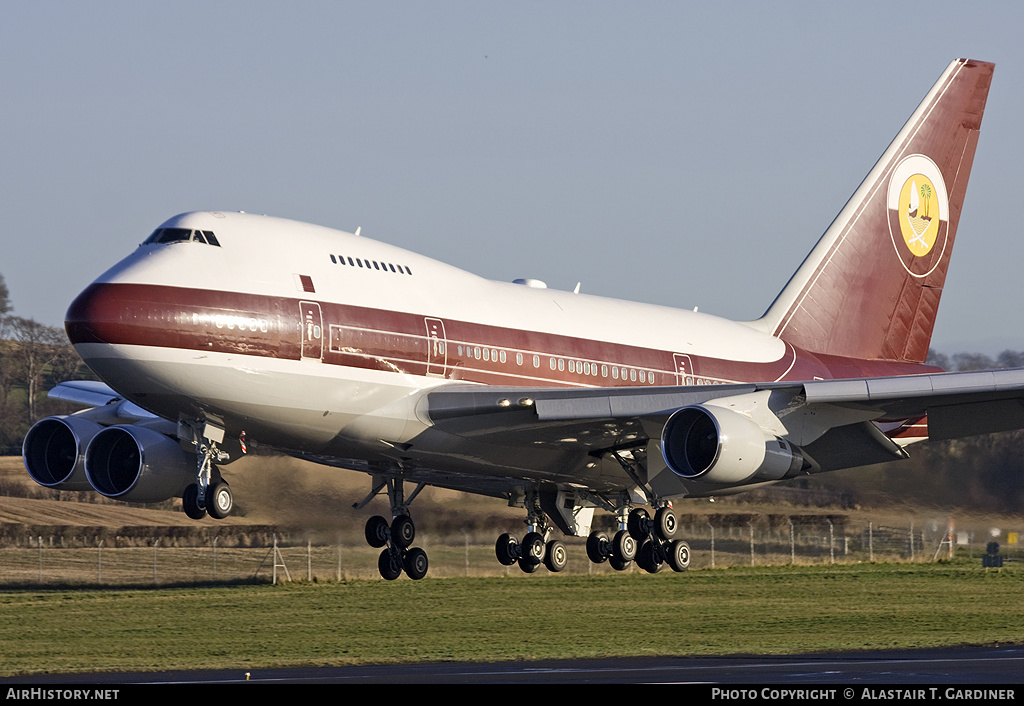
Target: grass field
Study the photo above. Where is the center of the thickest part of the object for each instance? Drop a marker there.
(766, 610)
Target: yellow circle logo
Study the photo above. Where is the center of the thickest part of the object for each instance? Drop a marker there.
(919, 214)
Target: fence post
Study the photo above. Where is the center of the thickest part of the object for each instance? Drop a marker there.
(831, 542)
(871, 542)
(99, 560)
(40, 540)
(751, 525)
(792, 542)
(712, 543)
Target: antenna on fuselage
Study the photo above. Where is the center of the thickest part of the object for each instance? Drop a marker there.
(358, 228)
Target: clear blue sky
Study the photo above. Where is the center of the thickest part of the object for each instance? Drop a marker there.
(680, 153)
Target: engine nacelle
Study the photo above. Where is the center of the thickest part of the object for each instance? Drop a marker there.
(54, 452)
(137, 464)
(718, 445)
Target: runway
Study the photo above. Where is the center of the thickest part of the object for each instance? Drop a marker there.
(988, 666)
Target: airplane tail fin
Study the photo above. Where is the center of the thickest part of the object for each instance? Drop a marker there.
(870, 288)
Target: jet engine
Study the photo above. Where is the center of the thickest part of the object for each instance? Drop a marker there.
(718, 445)
(54, 452)
(138, 464)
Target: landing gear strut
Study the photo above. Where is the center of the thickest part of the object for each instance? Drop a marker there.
(210, 493)
(396, 537)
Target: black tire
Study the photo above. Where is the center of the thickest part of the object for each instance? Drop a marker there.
(665, 524)
(649, 558)
(526, 565)
(415, 563)
(389, 565)
(639, 524)
(533, 548)
(219, 501)
(555, 556)
(624, 546)
(679, 555)
(377, 531)
(619, 564)
(507, 549)
(190, 503)
(598, 547)
(403, 531)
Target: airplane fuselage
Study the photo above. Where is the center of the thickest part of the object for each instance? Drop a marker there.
(321, 342)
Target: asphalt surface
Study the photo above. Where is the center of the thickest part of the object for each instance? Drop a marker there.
(982, 667)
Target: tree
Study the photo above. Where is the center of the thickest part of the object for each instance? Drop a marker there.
(37, 347)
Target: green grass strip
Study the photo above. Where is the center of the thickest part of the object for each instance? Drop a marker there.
(765, 610)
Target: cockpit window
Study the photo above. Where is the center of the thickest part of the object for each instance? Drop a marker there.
(181, 235)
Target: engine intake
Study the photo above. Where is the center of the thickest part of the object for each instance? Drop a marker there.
(54, 452)
(718, 445)
(137, 464)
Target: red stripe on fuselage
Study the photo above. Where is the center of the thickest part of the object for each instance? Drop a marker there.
(378, 339)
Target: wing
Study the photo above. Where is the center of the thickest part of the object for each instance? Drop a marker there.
(726, 438)
(113, 408)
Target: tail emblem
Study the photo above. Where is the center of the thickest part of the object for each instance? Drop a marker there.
(919, 213)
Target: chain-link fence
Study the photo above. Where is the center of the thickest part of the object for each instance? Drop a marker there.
(111, 559)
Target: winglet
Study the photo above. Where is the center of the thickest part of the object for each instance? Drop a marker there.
(871, 286)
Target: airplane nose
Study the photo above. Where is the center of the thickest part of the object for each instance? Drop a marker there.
(94, 315)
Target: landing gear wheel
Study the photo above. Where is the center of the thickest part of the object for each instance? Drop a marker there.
(526, 565)
(639, 524)
(377, 531)
(679, 555)
(415, 563)
(649, 557)
(598, 548)
(556, 557)
(219, 501)
(190, 503)
(533, 549)
(507, 549)
(389, 565)
(618, 564)
(665, 524)
(624, 547)
(403, 531)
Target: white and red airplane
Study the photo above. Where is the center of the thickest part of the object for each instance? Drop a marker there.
(224, 329)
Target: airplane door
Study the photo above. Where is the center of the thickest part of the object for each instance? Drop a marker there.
(312, 330)
(684, 368)
(437, 350)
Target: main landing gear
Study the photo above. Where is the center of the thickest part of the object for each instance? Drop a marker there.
(395, 537)
(535, 549)
(651, 543)
(397, 556)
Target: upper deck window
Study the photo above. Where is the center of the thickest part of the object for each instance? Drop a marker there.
(182, 235)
